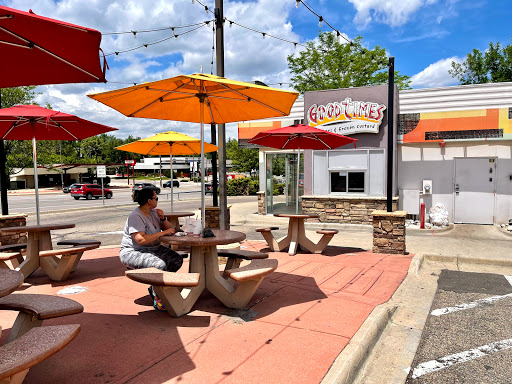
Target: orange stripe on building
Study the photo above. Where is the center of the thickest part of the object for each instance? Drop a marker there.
(249, 130)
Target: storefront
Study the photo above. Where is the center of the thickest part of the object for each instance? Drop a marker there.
(342, 185)
(454, 147)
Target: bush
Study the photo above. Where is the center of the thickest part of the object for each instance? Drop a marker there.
(184, 180)
(278, 189)
(242, 186)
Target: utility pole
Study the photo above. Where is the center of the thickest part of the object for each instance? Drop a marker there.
(391, 132)
(219, 42)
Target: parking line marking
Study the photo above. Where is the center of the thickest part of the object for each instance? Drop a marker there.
(464, 306)
(108, 233)
(461, 357)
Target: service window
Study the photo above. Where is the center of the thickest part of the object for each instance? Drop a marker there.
(347, 181)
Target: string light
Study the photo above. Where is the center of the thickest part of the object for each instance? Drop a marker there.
(320, 21)
(153, 29)
(263, 33)
(206, 9)
(134, 34)
(297, 2)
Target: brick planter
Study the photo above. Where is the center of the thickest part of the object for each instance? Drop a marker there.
(212, 217)
(13, 221)
(261, 202)
(344, 209)
(389, 232)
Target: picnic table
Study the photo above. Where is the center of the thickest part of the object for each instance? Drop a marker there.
(173, 218)
(296, 235)
(179, 291)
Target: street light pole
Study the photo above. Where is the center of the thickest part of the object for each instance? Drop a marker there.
(219, 42)
(391, 132)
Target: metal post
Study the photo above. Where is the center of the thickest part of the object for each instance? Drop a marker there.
(4, 182)
(214, 168)
(61, 171)
(36, 182)
(160, 162)
(391, 131)
(219, 42)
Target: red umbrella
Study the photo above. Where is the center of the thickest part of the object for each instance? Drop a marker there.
(32, 122)
(37, 50)
(300, 136)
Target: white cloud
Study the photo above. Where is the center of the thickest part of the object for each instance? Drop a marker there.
(391, 12)
(435, 75)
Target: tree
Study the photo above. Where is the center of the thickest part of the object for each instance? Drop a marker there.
(494, 65)
(244, 159)
(329, 64)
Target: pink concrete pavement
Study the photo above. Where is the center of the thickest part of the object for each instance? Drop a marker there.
(298, 322)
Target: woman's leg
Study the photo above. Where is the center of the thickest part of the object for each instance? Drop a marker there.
(173, 261)
(137, 260)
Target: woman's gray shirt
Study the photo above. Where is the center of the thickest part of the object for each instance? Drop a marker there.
(137, 222)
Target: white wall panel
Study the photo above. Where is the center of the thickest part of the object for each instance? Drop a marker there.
(451, 152)
(432, 154)
(408, 153)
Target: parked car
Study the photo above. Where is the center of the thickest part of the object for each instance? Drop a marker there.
(175, 183)
(68, 188)
(138, 186)
(89, 191)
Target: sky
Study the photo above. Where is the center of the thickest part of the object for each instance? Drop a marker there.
(424, 36)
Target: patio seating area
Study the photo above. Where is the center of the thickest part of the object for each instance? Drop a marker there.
(299, 319)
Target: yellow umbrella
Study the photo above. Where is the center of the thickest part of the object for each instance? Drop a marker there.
(168, 143)
(202, 99)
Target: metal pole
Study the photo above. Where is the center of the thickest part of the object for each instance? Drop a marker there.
(102, 191)
(391, 131)
(298, 175)
(214, 168)
(172, 181)
(160, 162)
(203, 211)
(219, 42)
(3, 177)
(61, 171)
(36, 183)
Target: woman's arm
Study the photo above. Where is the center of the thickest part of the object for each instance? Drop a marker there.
(142, 238)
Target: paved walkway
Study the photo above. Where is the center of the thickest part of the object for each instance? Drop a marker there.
(300, 319)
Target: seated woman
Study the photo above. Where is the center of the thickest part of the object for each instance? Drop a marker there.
(140, 247)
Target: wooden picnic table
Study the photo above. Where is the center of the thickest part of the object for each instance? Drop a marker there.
(296, 235)
(173, 218)
(38, 239)
(205, 261)
(9, 281)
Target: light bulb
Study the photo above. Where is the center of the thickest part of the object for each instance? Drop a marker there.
(263, 35)
(206, 9)
(193, 1)
(230, 24)
(297, 2)
(320, 21)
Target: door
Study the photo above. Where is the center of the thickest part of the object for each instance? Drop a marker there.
(475, 180)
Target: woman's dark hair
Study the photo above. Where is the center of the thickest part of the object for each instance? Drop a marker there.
(144, 195)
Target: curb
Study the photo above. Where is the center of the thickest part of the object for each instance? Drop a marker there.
(354, 355)
(459, 260)
(429, 231)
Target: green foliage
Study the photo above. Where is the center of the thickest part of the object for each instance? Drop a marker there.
(492, 66)
(243, 186)
(244, 159)
(329, 64)
(278, 188)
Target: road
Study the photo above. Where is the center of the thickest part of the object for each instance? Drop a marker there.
(56, 201)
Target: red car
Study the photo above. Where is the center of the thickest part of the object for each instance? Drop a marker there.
(89, 191)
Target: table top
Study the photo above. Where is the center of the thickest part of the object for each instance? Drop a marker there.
(296, 216)
(178, 214)
(221, 237)
(36, 228)
(10, 281)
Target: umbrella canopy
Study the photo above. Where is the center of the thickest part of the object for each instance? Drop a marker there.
(202, 99)
(168, 143)
(300, 136)
(37, 50)
(32, 122)
(180, 97)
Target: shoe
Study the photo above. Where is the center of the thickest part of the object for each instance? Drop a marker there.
(157, 304)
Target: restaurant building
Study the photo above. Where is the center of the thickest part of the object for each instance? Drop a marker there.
(453, 146)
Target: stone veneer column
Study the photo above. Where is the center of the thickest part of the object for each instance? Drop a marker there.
(13, 221)
(212, 218)
(261, 202)
(389, 232)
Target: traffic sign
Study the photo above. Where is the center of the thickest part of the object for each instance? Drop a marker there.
(130, 162)
(101, 171)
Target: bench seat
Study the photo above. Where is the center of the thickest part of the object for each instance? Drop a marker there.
(33, 309)
(33, 347)
(159, 278)
(58, 269)
(177, 291)
(15, 258)
(327, 231)
(242, 254)
(13, 247)
(4, 256)
(268, 229)
(77, 242)
(256, 270)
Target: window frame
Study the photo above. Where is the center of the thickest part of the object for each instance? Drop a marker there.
(347, 176)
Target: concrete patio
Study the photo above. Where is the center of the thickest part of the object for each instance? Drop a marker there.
(298, 322)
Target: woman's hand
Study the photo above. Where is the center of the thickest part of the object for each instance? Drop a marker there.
(160, 214)
(168, 232)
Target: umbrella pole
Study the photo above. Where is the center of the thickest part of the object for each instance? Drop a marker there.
(172, 183)
(298, 182)
(203, 210)
(36, 183)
